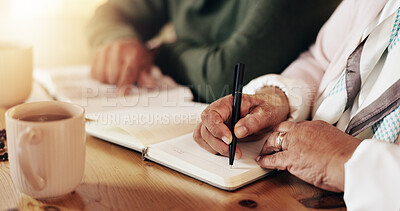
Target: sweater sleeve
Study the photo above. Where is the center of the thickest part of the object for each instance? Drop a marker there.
(301, 78)
(124, 18)
(271, 36)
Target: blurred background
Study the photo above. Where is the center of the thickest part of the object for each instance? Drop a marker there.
(55, 29)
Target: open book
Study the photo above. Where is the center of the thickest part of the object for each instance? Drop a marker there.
(164, 135)
(160, 130)
(74, 84)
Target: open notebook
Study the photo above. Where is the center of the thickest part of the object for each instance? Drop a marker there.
(73, 84)
(164, 135)
(161, 129)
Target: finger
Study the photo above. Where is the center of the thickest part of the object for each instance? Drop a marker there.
(215, 116)
(262, 114)
(114, 64)
(129, 72)
(215, 143)
(128, 76)
(200, 141)
(222, 107)
(101, 65)
(94, 66)
(285, 126)
(255, 137)
(256, 120)
(275, 161)
(146, 80)
(248, 103)
(270, 145)
(97, 66)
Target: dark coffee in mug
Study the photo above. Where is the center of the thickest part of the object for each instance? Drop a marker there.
(46, 142)
(45, 117)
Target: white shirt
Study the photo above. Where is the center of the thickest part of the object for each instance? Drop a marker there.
(372, 175)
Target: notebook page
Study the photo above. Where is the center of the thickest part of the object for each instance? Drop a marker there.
(148, 125)
(74, 84)
(114, 135)
(184, 155)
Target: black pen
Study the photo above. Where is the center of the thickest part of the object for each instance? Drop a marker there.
(237, 100)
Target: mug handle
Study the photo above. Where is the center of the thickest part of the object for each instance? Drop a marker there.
(25, 139)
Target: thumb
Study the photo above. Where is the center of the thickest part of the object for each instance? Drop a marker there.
(256, 120)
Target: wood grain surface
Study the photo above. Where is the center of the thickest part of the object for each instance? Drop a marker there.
(117, 178)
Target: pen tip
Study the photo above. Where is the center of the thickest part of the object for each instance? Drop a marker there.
(231, 166)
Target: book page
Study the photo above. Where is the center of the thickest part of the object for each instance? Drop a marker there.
(147, 125)
(184, 155)
(74, 84)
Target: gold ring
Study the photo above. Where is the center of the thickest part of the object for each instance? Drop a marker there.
(279, 140)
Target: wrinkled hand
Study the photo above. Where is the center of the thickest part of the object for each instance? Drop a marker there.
(314, 151)
(123, 63)
(259, 113)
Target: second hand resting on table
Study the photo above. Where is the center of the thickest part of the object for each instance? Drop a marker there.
(314, 151)
(123, 63)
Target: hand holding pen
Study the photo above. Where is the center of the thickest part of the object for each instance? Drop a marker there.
(259, 113)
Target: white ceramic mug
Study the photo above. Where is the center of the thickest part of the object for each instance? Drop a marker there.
(16, 64)
(47, 157)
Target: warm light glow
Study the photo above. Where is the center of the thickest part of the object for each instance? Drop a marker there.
(53, 8)
(37, 8)
(54, 28)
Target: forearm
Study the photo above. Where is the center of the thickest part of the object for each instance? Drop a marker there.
(118, 19)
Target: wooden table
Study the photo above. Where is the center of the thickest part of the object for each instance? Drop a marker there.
(117, 178)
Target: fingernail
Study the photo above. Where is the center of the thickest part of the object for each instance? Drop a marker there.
(226, 140)
(241, 131)
(258, 158)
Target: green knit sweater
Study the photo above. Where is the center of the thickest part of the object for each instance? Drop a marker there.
(214, 35)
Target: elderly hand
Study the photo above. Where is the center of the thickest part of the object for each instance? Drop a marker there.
(314, 151)
(123, 63)
(259, 113)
